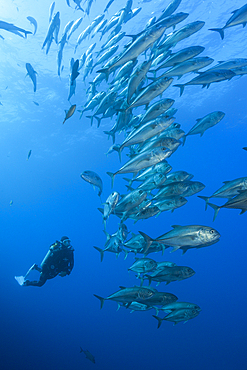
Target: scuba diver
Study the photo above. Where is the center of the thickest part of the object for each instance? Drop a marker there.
(59, 260)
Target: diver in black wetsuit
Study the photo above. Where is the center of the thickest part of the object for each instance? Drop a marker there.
(59, 260)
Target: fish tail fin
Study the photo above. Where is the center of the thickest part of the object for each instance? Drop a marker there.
(81, 111)
(98, 119)
(159, 320)
(142, 280)
(102, 300)
(124, 216)
(112, 134)
(27, 33)
(181, 86)
(183, 139)
(215, 208)
(220, 30)
(91, 118)
(112, 176)
(129, 187)
(130, 181)
(101, 253)
(148, 241)
(118, 149)
(125, 253)
(206, 200)
(80, 8)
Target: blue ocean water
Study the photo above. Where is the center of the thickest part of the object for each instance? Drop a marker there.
(45, 327)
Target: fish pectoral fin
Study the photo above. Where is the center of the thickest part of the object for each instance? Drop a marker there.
(175, 248)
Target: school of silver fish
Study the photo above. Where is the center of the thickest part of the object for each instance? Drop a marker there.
(136, 74)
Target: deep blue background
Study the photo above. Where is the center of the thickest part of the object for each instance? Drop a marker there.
(45, 327)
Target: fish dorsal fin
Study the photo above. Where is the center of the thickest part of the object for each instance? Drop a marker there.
(234, 11)
(134, 37)
(175, 226)
(122, 287)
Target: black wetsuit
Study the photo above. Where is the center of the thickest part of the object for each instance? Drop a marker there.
(58, 260)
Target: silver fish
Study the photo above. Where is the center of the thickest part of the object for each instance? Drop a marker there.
(182, 33)
(151, 91)
(206, 78)
(33, 22)
(128, 295)
(74, 27)
(143, 265)
(181, 56)
(160, 107)
(70, 112)
(238, 202)
(146, 131)
(179, 315)
(205, 123)
(228, 190)
(94, 179)
(10, 27)
(52, 6)
(171, 203)
(191, 235)
(143, 160)
(191, 65)
(89, 355)
(142, 43)
(239, 17)
(171, 8)
(32, 74)
(137, 77)
(110, 204)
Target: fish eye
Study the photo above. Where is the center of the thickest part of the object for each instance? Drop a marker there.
(211, 231)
